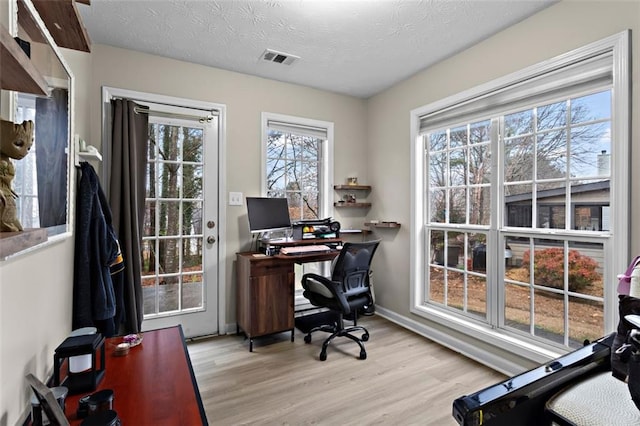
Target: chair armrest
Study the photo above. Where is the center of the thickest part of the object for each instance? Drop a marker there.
(334, 288)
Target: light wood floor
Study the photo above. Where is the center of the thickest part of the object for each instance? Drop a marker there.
(405, 380)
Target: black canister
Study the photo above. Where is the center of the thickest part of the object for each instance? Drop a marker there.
(100, 401)
(103, 418)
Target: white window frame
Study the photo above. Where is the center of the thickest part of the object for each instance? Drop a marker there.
(326, 178)
(617, 254)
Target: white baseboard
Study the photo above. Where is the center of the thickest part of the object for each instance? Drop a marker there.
(463, 347)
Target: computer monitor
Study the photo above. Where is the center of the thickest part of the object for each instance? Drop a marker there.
(267, 214)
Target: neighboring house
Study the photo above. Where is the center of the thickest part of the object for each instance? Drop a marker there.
(589, 208)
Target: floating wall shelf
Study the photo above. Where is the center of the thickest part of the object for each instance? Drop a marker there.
(383, 224)
(18, 72)
(352, 205)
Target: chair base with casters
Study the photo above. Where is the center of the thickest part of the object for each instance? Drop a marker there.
(337, 329)
(345, 293)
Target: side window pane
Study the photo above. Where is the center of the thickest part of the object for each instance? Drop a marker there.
(293, 168)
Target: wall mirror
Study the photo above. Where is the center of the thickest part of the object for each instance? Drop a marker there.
(42, 179)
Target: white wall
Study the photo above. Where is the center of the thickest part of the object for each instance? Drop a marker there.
(558, 29)
(245, 97)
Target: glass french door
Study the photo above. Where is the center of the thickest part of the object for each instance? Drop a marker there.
(179, 247)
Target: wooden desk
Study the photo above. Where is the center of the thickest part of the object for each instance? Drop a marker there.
(265, 292)
(153, 385)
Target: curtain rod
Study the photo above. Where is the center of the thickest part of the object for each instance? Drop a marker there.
(199, 118)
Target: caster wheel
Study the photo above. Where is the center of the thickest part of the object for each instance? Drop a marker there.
(307, 339)
(323, 356)
(365, 337)
(363, 355)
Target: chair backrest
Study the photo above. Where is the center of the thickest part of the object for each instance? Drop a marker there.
(352, 267)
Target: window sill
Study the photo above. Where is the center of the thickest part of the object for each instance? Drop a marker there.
(533, 351)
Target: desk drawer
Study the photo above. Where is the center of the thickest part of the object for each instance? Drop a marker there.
(260, 269)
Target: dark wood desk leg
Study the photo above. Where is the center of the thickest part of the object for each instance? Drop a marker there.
(292, 332)
(250, 344)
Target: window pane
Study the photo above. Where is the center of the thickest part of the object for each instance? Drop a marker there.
(551, 155)
(458, 167)
(192, 145)
(192, 218)
(458, 137)
(552, 116)
(480, 205)
(518, 123)
(548, 316)
(192, 293)
(311, 203)
(436, 285)
(456, 294)
(438, 169)
(437, 206)
(169, 218)
(309, 148)
(519, 215)
(517, 310)
(192, 182)
(480, 164)
(588, 143)
(458, 205)
(438, 141)
(480, 132)
(276, 174)
(518, 159)
(586, 321)
(518, 205)
(149, 228)
(192, 255)
(310, 176)
(591, 107)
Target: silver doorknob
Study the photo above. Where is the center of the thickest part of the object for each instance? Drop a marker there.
(211, 239)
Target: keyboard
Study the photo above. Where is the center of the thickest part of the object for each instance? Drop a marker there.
(317, 248)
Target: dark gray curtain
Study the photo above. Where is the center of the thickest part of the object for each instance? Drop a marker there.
(127, 198)
(52, 138)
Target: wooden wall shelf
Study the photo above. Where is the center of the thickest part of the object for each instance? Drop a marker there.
(352, 187)
(352, 205)
(383, 224)
(64, 23)
(18, 72)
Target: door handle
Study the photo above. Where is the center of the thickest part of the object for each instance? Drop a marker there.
(211, 239)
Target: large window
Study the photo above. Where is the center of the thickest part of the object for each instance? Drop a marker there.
(516, 192)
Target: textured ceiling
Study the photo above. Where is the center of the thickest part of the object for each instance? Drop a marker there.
(354, 47)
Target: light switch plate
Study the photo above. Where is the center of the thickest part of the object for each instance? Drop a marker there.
(235, 198)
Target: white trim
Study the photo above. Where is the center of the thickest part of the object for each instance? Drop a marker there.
(327, 163)
(619, 45)
(464, 347)
(111, 92)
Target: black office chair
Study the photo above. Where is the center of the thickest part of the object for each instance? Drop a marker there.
(346, 292)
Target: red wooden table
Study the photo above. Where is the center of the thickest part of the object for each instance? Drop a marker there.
(153, 384)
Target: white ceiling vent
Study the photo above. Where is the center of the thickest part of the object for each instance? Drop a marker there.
(278, 57)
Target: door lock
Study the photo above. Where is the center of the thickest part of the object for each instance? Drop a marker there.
(211, 224)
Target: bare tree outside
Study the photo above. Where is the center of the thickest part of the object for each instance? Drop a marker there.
(536, 140)
(172, 243)
(293, 171)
